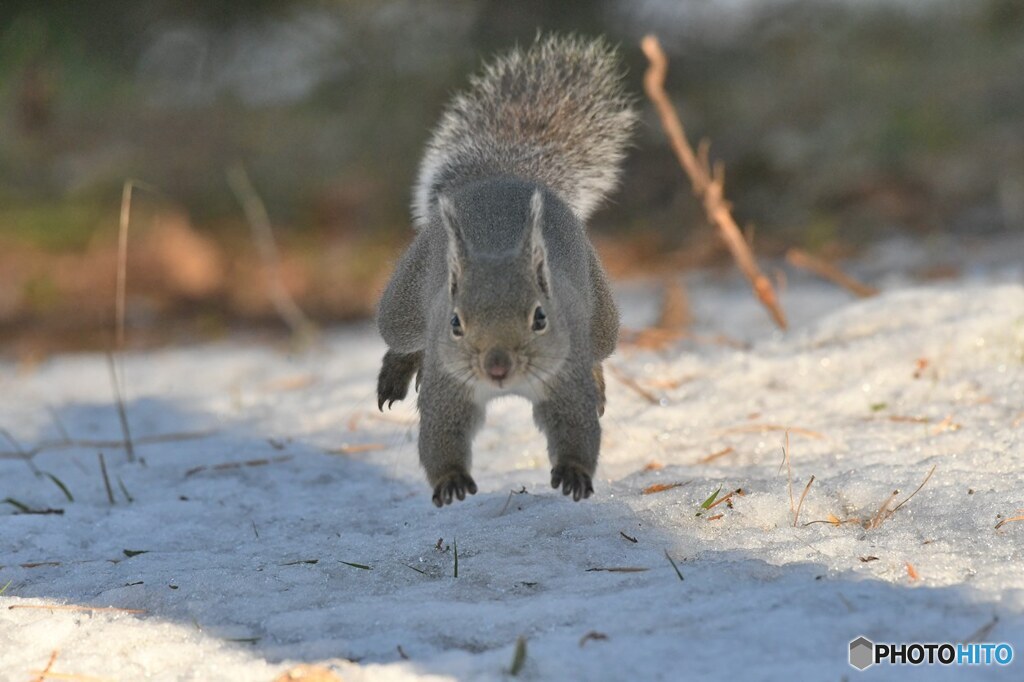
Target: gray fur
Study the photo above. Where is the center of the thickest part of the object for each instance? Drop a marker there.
(498, 236)
(555, 114)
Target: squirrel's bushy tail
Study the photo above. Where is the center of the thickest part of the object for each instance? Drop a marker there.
(555, 114)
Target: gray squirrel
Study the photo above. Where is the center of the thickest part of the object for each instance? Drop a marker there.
(501, 292)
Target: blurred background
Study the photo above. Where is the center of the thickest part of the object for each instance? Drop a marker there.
(841, 123)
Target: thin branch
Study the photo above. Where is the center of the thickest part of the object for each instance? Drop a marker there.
(708, 182)
(801, 259)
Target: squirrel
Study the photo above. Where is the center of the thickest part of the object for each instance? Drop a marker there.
(501, 292)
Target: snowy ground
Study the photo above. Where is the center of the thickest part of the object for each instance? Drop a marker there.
(244, 573)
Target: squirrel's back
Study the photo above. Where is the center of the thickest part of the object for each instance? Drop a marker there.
(555, 114)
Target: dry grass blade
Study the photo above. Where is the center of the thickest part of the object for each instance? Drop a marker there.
(1012, 519)
(715, 455)
(916, 490)
(122, 412)
(70, 677)
(631, 383)
(65, 443)
(75, 607)
(592, 635)
(121, 291)
(20, 452)
(661, 487)
(982, 633)
(106, 478)
(801, 259)
(120, 305)
(618, 569)
(674, 565)
(800, 504)
(357, 448)
(764, 428)
(884, 512)
(49, 664)
(518, 657)
(263, 237)
(228, 466)
(725, 499)
(675, 315)
(707, 182)
(789, 475)
(308, 673)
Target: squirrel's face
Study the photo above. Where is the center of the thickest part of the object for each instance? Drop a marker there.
(503, 327)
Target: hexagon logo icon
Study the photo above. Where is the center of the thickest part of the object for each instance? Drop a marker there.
(862, 653)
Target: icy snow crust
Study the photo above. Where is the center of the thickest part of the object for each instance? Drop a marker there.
(230, 592)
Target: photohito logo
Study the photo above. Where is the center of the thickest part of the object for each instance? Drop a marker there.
(864, 653)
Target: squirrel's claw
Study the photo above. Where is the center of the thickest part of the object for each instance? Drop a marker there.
(455, 486)
(572, 480)
(396, 372)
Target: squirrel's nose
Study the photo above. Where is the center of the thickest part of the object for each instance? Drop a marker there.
(497, 363)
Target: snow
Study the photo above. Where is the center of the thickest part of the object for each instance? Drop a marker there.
(876, 393)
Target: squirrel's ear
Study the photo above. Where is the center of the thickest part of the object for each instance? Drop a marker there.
(534, 246)
(456, 242)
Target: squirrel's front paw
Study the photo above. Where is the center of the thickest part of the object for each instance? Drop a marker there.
(455, 484)
(574, 481)
(395, 373)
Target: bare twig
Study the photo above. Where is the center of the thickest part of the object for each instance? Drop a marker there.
(708, 182)
(801, 259)
(263, 237)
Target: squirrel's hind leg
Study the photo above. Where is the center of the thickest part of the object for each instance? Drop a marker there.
(396, 372)
(448, 420)
(569, 419)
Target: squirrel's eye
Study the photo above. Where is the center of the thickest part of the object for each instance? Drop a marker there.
(456, 325)
(540, 320)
